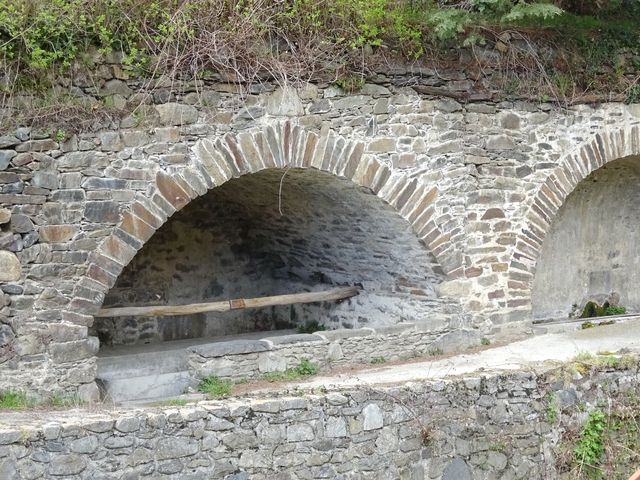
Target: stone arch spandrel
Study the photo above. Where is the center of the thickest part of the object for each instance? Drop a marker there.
(601, 149)
(216, 160)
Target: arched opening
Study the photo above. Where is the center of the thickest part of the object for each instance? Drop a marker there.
(591, 252)
(262, 234)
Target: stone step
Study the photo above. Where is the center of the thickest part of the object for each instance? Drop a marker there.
(142, 364)
(147, 387)
(146, 375)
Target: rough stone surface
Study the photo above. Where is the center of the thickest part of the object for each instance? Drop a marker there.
(5, 215)
(241, 360)
(457, 469)
(176, 114)
(230, 348)
(323, 436)
(285, 102)
(479, 185)
(10, 268)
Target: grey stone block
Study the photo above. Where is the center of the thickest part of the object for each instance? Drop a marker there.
(395, 329)
(295, 338)
(234, 347)
(345, 333)
(457, 470)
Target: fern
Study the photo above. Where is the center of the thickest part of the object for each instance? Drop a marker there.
(532, 11)
(447, 24)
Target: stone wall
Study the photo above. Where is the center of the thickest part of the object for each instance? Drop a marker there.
(480, 427)
(479, 182)
(242, 359)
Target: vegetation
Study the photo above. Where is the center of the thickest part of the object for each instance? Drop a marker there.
(14, 400)
(378, 360)
(174, 402)
(590, 447)
(305, 368)
(19, 400)
(552, 408)
(592, 309)
(311, 327)
(588, 42)
(586, 362)
(215, 387)
(606, 447)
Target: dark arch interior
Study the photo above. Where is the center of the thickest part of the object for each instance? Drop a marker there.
(592, 250)
(234, 242)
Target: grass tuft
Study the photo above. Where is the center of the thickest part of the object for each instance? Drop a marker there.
(215, 387)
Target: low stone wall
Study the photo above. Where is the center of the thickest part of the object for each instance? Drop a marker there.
(253, 358)
(480, 427)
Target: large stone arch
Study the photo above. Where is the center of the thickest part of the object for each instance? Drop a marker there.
(550, 196)
(219, 159)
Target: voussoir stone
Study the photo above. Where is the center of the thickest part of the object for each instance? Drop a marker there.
(10, 268)
(233, 347)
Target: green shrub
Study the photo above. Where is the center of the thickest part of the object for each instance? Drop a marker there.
(215, 386)
(615, 310)
(311, 327)
(306, 368)
(591, 444)
(592, 309)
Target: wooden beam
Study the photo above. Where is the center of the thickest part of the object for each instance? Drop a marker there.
(635, 476)
(226, 305)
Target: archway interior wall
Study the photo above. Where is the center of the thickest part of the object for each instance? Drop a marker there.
(591, 250)
(245, 239)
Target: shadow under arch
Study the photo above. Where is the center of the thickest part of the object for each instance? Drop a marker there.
(603, 148)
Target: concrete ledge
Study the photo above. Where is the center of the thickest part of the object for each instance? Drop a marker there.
(344, 333)
(395, 329)
(295, 338)
(233, 347)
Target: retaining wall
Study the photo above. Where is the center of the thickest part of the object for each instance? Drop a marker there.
(478, 427)
(243, 359)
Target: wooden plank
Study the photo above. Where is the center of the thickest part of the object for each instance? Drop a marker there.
(226, 305)
(635, 476)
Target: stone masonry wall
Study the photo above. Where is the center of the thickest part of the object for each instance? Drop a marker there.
(479, 183)
(251, 238)
(477, 427)
(242, 359)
